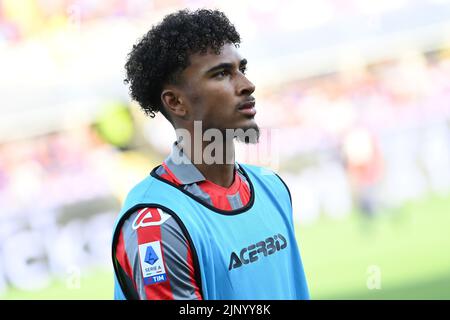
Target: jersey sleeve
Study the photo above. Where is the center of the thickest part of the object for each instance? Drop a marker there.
(156, 257)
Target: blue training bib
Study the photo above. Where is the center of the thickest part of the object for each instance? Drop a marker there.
(246, 254)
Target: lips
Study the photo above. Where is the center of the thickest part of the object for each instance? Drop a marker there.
(247, 108)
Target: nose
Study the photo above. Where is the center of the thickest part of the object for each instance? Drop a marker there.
(245, 86)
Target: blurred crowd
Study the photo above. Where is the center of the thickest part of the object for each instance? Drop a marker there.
(42, 181)
(378, 134)
(21, 19)
(28, 18)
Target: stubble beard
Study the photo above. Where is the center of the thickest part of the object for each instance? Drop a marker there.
(248, 134)
(216, 145)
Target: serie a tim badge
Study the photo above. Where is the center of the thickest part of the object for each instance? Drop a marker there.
(152, 263)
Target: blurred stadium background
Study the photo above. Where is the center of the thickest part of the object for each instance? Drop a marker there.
(353, 97)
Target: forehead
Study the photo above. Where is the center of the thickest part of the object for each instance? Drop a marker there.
(203, 62)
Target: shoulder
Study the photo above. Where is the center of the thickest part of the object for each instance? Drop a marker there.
(156, 254)
(144, 191)
(267, 177)
(148, 224)
(260, 173)
(258, 170)
(149, 220)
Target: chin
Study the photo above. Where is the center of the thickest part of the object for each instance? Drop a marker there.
(248, 133)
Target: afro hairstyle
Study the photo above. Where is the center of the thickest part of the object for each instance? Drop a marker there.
(163, 53)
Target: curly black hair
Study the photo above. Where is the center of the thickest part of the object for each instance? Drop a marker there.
(163, 53)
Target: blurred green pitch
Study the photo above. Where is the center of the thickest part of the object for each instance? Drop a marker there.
(410, 246)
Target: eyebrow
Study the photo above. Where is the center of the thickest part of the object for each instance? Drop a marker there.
(226, 65)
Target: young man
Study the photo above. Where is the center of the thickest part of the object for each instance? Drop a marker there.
(201, 226)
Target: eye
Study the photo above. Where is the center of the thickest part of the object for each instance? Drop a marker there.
(222, 74)
(243, 69)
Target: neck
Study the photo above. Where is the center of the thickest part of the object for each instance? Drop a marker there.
(220, 174)
(215, 160)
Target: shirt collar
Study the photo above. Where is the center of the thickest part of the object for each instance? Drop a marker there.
(182, 168)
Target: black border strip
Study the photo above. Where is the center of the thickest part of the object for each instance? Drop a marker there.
(129, 293)
(124, 284)
(287, 188)
(248, 206)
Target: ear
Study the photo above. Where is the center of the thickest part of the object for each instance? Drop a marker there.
(173, 103)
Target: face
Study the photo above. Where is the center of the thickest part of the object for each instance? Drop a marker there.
(216, 91)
